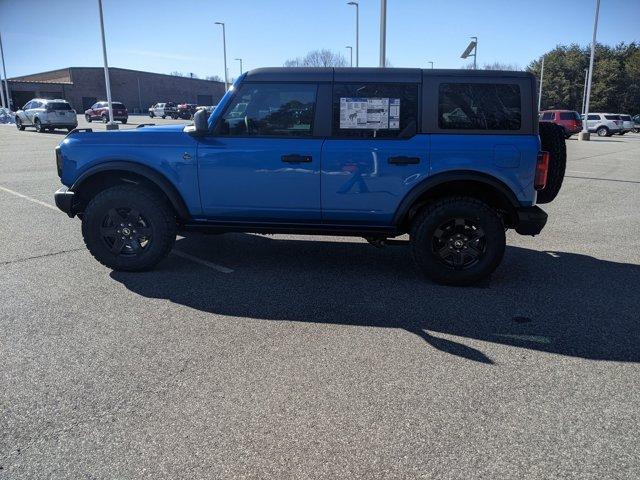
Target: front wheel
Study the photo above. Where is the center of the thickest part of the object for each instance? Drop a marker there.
(151, 115)
(457, 241)
(38, 126)
(164, 116)
(87, 118)
(19, 124)
(129, 228)
(105, 119)
(603, 132)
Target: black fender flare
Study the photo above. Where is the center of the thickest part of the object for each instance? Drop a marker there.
(456, 175)
(155, 177)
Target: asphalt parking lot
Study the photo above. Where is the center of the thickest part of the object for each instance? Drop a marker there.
(250, 356)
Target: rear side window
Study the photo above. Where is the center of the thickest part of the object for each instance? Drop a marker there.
(569, 116)
(626, 118)
(117, 105)
(58, 106)
(593, 117)
(477, 106)
(271, 109)
(373, 110)
(547, 116)
(612, 117)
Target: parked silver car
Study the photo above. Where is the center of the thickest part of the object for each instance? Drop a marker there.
(636, 124)
(604, 124)
(164, 110)
(45, 114)
(627, 124)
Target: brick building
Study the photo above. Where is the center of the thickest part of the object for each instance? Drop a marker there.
(83, 86)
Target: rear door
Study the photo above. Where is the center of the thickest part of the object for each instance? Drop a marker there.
(262, 164)
(375, 154)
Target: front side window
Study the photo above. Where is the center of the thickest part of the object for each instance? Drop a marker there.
(271, 109)
(27, 106)
(374, 110)
(593, 117)
(478, 106)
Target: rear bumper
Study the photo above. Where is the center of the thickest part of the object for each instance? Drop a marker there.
(64, 200)
(531, 220)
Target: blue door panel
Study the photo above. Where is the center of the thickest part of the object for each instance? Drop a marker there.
(510, 158)
(245, 179)
(360, 186)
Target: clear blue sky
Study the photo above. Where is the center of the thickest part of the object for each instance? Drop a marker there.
(167, 35)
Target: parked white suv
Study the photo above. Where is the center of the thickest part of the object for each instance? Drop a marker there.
(164, 110)
(45, 114)
(627, 124)
(604, 124)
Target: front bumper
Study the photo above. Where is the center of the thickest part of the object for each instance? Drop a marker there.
(531, 220)
(65, 199)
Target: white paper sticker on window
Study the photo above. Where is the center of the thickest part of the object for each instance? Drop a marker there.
(370, 113)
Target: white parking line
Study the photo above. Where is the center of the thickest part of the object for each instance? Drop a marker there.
(214, 266)
(186, 256)
(34, 200)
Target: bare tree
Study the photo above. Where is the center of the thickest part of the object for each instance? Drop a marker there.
(318, 58)
(214, 78)
(495, 66)
(177, 74)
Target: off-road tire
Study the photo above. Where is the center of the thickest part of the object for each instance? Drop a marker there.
(158, 216)
(19, 124)
(553, 141)
(426, 233)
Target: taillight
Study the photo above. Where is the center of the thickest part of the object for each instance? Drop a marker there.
(542, 169)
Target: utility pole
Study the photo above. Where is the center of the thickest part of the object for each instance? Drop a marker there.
(383, 33)
(584, 134)
(224, 49)
(357, 32)
(431, 64)
(111, 125)
(540, 90)
(350, 55)
(6, 80)
(240, 60)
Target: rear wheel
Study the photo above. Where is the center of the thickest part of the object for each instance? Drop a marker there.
(124, 121)
(457, 241)
(603, 132)
(553, 141)
(105, 119)
(164, 116)
(129, 228)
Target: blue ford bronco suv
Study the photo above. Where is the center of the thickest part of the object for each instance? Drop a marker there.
(451, 157)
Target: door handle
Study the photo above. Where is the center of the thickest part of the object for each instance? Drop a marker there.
(402, 160)
(295, 158)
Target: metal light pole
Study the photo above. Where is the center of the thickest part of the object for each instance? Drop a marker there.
(6, 80)
(350, 55)
(240, 60)
(431, 64)
(111, 125)
(383, 33)
(540, 90)
(473, 46)
(357, 32)
(224, 48)
(584, 89)
(475, 53)
(584, 134)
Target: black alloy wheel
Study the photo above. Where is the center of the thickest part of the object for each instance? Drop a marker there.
(125, 231)
(459, 243)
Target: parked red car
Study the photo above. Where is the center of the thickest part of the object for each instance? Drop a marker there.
(569, 120)
(100, 111)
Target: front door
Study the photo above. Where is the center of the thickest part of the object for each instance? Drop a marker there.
(375, 154)
(262, 164)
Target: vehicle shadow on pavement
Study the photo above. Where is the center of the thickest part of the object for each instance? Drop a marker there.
(556, 302)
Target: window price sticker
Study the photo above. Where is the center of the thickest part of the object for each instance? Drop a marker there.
(369, 113)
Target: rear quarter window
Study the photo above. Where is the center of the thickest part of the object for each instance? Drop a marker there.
(569, 116)
(612, 117)
(479, 106)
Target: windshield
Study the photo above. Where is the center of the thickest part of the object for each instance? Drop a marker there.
(58, 106)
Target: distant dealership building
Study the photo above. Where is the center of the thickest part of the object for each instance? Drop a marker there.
(83, 86)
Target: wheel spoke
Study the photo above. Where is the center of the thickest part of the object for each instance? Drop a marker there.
(143, 232)
(458, 259)
(444, 252)
(473, 252)
(477, 234)
(109, 231)
(459, 222)
(134, 217)
(115, 217)
(118, 244)
(135, 245)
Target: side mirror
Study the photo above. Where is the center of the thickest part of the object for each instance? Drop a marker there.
(201, 121)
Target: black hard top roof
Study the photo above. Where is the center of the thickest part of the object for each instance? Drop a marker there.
(365, 74)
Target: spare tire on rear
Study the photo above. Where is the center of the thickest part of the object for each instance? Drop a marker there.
(553, 141)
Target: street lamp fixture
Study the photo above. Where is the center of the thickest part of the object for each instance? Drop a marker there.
(430, 62)
(355, 4)
(350, 55)
(472, 47)
(224, 51)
